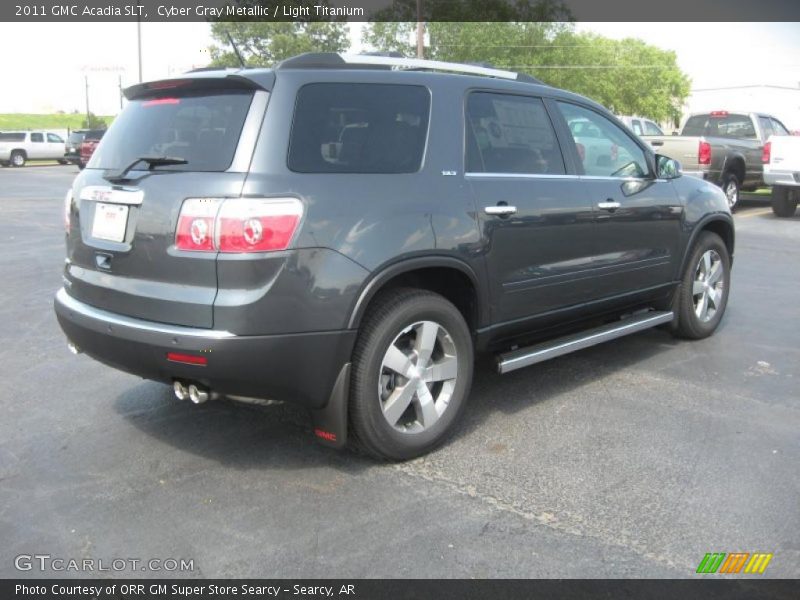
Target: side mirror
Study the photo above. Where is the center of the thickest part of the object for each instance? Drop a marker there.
(667, 168)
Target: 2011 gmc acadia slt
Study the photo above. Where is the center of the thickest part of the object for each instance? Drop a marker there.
(347, 232)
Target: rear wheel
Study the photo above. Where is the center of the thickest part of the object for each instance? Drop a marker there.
(412, 371)
(784, 201)
(18, 158)
(730, 185)
(81, 165)
(704, 289)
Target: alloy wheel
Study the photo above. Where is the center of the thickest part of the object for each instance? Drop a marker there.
(418, 376)
(708, 286)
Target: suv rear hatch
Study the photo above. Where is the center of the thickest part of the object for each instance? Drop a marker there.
(121, 234)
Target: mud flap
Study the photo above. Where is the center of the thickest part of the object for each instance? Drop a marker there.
(330, 422)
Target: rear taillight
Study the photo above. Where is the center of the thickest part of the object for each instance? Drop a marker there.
(237, 224)
(257, 225)
(67, 209)
(196, 224)
(704, 153)
(766, 153)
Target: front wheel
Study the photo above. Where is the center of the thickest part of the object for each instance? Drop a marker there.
(730, 185)
(784, 201)
(412, 372)
(704, 289)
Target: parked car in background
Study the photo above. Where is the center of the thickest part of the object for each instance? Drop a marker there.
(641, 126)
(72, 149)
(722, 147)
(18, 147)
(383, 226)
(88, 145)
(781, 158)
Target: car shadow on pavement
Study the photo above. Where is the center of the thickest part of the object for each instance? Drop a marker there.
(540, 383)
(235, 434)
(246, 436)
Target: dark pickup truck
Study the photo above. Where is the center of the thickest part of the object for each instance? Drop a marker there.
(722, 147)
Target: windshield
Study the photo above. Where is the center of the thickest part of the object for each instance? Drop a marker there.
(202, 127)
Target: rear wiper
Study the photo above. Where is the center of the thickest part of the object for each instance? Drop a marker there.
(152, 161)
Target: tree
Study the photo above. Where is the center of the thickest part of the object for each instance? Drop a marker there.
(627, 76)
(92, 121)
(265, 43)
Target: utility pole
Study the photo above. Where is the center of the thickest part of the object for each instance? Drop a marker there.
(420, 32)
(86, 84)
(139, 39)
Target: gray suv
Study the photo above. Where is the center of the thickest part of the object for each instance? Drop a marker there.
(348, 232)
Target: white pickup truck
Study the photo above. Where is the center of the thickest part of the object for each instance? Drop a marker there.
(18, 147)
(781, 158)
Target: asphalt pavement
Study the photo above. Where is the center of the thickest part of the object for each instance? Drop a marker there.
(629, 459)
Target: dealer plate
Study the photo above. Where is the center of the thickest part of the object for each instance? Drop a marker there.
(110, 222)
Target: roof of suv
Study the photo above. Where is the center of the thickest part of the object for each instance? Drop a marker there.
(382, 66)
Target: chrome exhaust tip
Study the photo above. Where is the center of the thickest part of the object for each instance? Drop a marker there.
(181, 393)
(73, 348)
(197, 395)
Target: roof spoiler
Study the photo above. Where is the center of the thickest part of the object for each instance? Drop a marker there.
(208, 80)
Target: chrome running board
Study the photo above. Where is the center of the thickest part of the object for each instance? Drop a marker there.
(516, 359)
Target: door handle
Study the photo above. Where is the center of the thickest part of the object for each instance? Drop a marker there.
(501, 210)
(609, 205)
(654, 143)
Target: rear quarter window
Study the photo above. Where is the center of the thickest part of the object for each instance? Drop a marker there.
(12, 137)
(359, 128)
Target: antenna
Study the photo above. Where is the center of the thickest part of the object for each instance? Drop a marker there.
(235, 49)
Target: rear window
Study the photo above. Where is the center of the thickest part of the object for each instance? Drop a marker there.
(359, 128)
(202, 128)
(76, 138)
(12, 137)
(732, 126)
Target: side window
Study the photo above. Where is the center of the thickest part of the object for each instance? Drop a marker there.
(54, 139)
(651, 128)
(766, 126)
(779, 128)
(37, 137)
(359, 128)
(637, 127)
(603, 147)
(510, 134)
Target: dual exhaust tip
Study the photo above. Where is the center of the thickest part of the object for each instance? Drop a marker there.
(197, 394)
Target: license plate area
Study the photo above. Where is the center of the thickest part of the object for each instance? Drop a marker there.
(110, 222)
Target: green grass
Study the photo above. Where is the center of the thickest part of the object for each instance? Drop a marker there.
(23, 121)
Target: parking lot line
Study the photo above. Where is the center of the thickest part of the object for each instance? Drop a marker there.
(755, 213)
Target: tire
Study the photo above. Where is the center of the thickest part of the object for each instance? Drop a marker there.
(63, 162)
(81, 165)
(730, 185)
(784, 201)
(385, 422)
(18, 158)
(694, 321)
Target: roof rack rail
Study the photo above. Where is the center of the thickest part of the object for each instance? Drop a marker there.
(330, 60)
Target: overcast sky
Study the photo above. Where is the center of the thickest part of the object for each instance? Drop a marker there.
(52, 59)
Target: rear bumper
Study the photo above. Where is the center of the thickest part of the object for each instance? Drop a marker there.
(781, 177)
(301, 368)
(698, 174)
